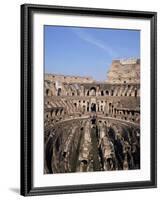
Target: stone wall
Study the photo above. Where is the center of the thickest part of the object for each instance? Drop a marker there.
(124, 71)
(67, 79)
(90, 125)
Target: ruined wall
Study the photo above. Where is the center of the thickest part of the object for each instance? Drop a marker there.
(71, 96)
(124, 71)
(68, 79)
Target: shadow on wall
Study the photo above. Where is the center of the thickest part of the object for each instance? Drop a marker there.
(15, 190)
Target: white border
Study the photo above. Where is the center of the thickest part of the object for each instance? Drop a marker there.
(41, 180)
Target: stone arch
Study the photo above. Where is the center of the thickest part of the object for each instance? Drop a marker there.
(93, 91)
(107, 93)
(112, 92)
(48, 92)
(102, 93)
(59, 92)
(61, 111)
(93, 107)
(87, 106)
(110, 107)
(56, 112)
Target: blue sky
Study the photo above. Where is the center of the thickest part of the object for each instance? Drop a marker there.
(87, 51)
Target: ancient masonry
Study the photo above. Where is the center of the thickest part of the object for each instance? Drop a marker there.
(90, 125)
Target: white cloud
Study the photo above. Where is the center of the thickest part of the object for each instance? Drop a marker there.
(94, 41)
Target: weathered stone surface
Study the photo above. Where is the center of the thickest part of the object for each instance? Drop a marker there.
(90, 125)
(124, 71)
(68, 79)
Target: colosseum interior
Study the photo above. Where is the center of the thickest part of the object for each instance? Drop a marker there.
(90, 125)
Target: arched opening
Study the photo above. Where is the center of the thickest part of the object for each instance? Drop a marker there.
(107, 92)
(61, 111)
(93, 91)
(88, 93)
(48, 92)
(84, 165)
(110, 107)
(135, 93)
(84, 162)
(111, 92)
(59, 92)
(102, 93)
(56, 112)
(93, 107)
(87, 106)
